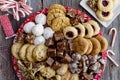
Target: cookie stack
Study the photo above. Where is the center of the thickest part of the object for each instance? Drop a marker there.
(91, 46)
(56, 17)
(25, 52)
(103, 8)
(60, 45)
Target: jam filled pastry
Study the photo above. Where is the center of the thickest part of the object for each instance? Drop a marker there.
(105, 5)
(70, 32)
(104, 16)
(102, 8)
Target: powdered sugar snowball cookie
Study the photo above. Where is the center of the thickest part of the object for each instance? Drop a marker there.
(48, 32)
(28, 27)
(39, 40)
(38, 30)
(40, 19)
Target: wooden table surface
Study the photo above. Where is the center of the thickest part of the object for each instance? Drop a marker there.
(6, 69)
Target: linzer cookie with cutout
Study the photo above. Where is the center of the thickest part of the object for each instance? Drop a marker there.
(68, 48)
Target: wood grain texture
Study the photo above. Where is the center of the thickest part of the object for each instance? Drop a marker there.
(111, 72)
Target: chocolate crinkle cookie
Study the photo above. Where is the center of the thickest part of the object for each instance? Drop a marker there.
(86, 65)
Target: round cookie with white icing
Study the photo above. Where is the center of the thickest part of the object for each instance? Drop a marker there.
(28, 27)
(48, 32)
(38, 30)
(39, 40)
(40, 19)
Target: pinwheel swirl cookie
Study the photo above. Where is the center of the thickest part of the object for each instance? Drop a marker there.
(59, 45)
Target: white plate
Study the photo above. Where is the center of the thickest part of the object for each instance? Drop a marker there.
(116, 12)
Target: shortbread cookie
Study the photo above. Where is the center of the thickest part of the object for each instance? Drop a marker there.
(75, 77)
(52, 16)
(60, 23)
(29, 54)
(47, 72)
(103, 41)
(105, 5)
(95, 27)
(104, 16)
(70, 32)
(15, 49)
(23, 52)
(81, 29)
(96, 46)
(63, 69)
(88, 30)
(81, 45)
(57, 6)
(90, 48)
(40, 52)
(40, 19)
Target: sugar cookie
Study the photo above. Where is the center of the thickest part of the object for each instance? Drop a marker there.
(96, 46)
(103, 41)
(15, 49)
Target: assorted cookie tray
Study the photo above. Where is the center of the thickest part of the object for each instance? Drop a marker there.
(59, 43)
